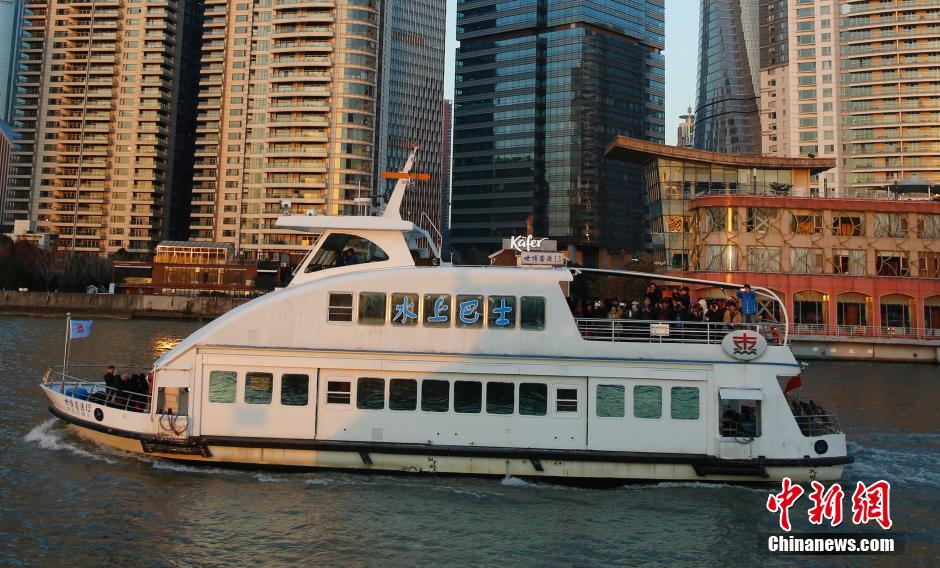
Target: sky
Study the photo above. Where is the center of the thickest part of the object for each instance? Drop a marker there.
(681, 58)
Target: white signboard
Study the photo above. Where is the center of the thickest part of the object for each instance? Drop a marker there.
(659, 330)
(744, 344)
(542, 258)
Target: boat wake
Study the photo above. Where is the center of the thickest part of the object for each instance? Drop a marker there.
(48, 437)
(896, 466)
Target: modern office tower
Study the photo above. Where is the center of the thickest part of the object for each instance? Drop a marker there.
(541, 89)
(889, 62)
(11, 28)
(411, 76)
(686, 129)
(447, 142)
(98, 114)
(727, 117)
(294, 100)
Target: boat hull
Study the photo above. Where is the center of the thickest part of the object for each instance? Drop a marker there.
(444, 460)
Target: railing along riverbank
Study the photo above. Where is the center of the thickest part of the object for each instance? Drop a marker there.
(124, 306)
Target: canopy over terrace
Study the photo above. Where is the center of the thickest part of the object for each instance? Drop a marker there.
(633, 150)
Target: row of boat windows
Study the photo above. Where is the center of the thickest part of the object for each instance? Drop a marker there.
(464, 397)
(439, 310)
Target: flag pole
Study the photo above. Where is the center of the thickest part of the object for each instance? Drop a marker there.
(65, 352)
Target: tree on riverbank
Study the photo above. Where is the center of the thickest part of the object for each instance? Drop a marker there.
(24, 265)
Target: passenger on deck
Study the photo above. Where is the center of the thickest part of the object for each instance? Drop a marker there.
(350, 257)
(648, 309)
(732, 316)
(653, 294)
(122, 391)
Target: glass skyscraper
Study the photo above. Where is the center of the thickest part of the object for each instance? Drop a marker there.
(727, 115)
(412, 87)
(11, 27)
(541, 89)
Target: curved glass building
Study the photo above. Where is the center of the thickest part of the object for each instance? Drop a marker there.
(727, 116)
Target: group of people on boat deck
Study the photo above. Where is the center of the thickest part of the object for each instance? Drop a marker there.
(126, 390)
(676, 305)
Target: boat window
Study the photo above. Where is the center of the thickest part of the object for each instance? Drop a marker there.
(338, 392)
(500, 398)
(402, 394)
(405, 309)
(533, 399)
(469, 311)
(566, 400)
(502, 312)
(341, 249)
(740, 418)
(258, 388)
(683, 402)
(372, 308)
(609, 403)
(340, 306)
(647, 402)
(435, 395)
(222, 385)
(468, 396)
(436, 310)
(370, 394)
(294, 389)
(533, 313)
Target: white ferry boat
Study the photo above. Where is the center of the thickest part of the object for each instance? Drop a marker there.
(373, 360)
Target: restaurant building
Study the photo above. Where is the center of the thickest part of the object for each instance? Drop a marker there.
(866, 265)
(187, 268)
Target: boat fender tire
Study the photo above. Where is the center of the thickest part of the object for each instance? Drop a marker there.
(821, 447)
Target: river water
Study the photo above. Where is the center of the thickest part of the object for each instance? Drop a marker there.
(65, 501)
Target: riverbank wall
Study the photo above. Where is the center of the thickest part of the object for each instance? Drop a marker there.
(119, 306)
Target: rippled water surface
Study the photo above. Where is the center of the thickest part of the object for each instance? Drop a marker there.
(65, 501)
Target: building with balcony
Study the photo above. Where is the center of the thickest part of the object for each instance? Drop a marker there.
(99, 117)
(863, 265)
(889, 68)
(298, 104)
(541, 88)
(7, 136)
(853, 80)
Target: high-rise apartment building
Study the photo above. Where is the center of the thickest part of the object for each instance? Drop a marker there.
(541, 89)
(686, 129)
(860, 82)
(6, 154)
(11, 28)
(294, 100)
(727, 116)
(99, 120)
(889, 70)
(411, 79)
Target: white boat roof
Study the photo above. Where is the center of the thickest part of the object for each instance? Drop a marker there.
(321, 223)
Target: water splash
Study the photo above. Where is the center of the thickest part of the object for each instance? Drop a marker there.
(50, 438)
(166, 465)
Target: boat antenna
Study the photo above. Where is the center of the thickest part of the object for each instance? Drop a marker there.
(392, 208)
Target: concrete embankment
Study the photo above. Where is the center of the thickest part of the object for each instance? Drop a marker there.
(123, 306)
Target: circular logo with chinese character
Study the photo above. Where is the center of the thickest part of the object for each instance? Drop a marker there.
(744, 344)
(99, 414)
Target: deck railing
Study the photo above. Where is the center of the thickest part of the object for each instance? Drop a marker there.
(96, 391)
(654, 331)
(818, 424)
(867, 331)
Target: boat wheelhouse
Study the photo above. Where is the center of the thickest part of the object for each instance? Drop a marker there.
(377, 358)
